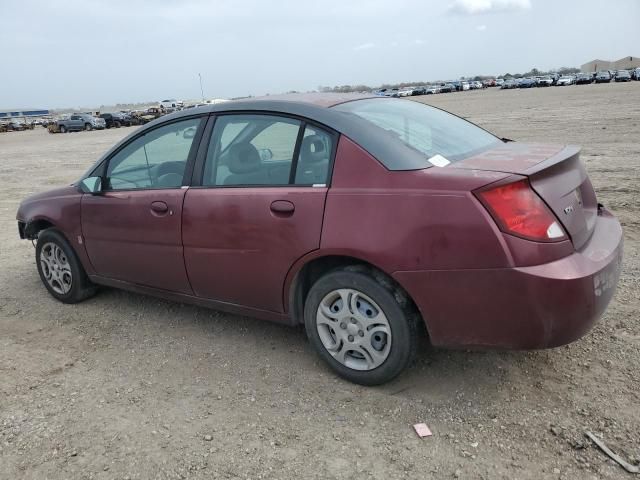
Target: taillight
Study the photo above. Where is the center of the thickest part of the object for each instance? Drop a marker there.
(518, 210)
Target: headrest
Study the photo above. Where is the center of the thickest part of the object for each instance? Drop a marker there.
(312, 149)
(243, 158)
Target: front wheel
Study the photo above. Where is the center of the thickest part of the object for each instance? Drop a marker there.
(60, 269)
(88, 127)
(63, 129)
(361, 325)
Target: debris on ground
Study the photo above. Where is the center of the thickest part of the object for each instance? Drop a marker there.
(422, 430)
(627, 466)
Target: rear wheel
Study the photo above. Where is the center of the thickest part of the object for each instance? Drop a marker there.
(360, 324)
(63, 129)
(60, 269)
(116, 124)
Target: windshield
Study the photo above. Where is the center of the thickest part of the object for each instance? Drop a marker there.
(428, 130)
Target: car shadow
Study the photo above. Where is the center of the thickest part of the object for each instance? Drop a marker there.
(437, 375)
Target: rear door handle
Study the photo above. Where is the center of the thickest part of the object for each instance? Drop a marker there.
(283, 207)
(159, 207)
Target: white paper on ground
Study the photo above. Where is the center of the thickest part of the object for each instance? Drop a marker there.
(439, 161)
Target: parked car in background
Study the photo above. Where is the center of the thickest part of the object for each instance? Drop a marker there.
(91, 122)
(636, 74)
(509, 84)
(622, 76)
(72, 123)
(544, 81)
(169, 105)
(405, 92)
(527, 83)
(419, 90)
(584, 79)
(447, 88)
(14, 125)
(489, 82)
(314, 238)
(500, 82)
(116, 120)
(565, 80)
(603, 76)
(465, 86)
(433, 89)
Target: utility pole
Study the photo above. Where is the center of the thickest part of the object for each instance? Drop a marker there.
(201, 90)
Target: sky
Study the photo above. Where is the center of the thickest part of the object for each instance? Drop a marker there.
(72, 53)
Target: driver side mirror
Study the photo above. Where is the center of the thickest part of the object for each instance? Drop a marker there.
(265, 154)
(91, 185)
(189, 132)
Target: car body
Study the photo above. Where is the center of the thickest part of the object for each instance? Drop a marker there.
(324, 209)
(584, 79)
(622, 76)
(544, 81)
(170, 104)
(116, 120)
(500, 82)
(565, 80)
(91, 122)
(406, 92)
(509, 84)
(636, 74)
(527, 83)
(70, 123)
(465, 86)
(603, 76)
(433, 89)
(447, 88)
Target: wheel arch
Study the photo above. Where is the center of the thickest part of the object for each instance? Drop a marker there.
(34, 226)
(311, 267)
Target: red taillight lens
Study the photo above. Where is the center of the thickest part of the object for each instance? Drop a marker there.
(518, 210)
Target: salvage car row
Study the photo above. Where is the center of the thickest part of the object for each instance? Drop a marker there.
(85, 121)
(602, 76)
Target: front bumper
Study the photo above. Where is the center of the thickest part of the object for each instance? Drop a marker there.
(525, 307)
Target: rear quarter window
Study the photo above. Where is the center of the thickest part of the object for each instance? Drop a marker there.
(428, 130)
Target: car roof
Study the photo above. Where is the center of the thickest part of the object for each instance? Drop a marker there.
(316, 108)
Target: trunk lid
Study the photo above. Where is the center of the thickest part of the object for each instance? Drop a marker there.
(555, 173)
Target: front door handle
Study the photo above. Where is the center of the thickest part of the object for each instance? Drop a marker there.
(159, 207)
(283, 207)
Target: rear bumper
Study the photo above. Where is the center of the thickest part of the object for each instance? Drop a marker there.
(541, 306)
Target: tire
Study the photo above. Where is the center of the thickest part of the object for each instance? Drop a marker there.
(88, 127)
(63, 129)
(116, 124)
(60, 269)
(385, 352)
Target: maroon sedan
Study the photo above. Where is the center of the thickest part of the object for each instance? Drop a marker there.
(365, 218)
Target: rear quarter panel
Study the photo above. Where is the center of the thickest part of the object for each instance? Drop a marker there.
(409, 220)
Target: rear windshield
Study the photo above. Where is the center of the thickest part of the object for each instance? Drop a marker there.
(432, 132)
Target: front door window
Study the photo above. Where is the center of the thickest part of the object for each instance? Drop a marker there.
(155, 160)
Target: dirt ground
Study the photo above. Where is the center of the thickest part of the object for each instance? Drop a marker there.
(130, 387)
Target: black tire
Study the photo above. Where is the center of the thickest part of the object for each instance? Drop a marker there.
(401, 316)
(81, 286)
(116, 124)
(88, 127)
(63, 129)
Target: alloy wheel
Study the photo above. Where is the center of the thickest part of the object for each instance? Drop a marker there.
(56, 268)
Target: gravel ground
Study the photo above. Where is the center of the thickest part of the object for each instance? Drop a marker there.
(129, 387)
